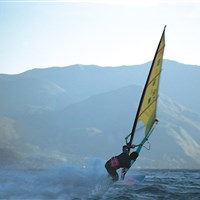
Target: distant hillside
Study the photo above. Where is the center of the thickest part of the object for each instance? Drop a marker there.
(79, 112)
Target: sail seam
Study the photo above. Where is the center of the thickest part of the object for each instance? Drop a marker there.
(148, 106)
(154, 78)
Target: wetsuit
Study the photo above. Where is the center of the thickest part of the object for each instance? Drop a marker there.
(121, 161)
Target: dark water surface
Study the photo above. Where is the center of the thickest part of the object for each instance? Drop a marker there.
(71, 182)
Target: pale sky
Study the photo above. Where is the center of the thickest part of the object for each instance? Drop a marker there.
(41, 34)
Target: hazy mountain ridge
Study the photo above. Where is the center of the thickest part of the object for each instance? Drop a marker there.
(86, 111)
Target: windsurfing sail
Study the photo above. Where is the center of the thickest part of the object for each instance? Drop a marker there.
(146, 113)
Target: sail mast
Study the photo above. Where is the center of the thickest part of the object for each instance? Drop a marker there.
(138, 114)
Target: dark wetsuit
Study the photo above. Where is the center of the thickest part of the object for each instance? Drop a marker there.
(121, 161)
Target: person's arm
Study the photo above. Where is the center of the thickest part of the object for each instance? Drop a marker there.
(132, 146)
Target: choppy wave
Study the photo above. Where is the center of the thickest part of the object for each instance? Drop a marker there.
(63, 182)
(71, 182)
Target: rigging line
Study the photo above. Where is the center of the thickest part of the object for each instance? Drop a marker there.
(149, 147)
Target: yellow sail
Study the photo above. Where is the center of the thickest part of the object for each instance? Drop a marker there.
(146, 112)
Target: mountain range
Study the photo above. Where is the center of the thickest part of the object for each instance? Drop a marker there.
(76, 113)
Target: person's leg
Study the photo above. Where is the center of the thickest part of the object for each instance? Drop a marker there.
(115, 177)
(112, 172)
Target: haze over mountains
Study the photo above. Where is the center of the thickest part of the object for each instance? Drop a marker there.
(80, 112)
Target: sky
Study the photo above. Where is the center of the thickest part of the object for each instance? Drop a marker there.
(41, 34)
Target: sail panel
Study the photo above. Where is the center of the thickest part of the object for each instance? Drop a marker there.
(148, 109)
(148, 104)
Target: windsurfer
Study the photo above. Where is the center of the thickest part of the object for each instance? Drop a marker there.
(123, 160)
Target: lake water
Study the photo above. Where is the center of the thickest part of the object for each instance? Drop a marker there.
(73, 182)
